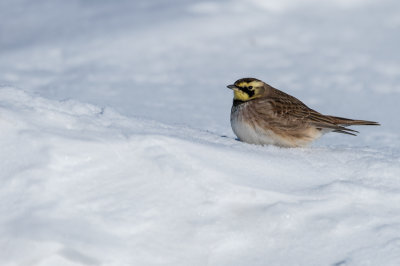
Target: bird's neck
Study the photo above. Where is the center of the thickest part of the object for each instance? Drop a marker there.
(237, 102)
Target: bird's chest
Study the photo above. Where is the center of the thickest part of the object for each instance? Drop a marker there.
(248, 129)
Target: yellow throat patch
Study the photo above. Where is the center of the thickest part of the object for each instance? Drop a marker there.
(240, 95)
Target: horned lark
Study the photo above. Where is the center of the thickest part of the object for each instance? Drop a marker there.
(263, 115)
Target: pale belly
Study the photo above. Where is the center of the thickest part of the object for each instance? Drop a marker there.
(250, 133)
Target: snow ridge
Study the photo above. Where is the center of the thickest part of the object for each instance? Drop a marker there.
(85, 185)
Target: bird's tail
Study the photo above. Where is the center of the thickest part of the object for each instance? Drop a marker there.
(349, 122)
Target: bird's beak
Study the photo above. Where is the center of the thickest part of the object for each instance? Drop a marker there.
(231, 87)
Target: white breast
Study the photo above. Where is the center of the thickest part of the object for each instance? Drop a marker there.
(248, 132)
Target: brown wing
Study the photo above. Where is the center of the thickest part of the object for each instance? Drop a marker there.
(287, 113)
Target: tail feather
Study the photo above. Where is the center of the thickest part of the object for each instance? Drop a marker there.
(337, 128)
(340, 124)
(349, 122)
(345, 132)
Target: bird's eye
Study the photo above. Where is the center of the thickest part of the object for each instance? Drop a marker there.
(250, 87)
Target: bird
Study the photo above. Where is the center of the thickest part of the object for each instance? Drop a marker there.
(264, 115)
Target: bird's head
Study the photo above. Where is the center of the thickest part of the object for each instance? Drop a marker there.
(247, 89)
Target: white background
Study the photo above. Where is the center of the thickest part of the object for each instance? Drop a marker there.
(116, 147)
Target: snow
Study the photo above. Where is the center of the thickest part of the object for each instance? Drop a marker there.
(116, 147)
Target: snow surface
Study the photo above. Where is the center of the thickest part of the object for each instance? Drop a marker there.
(116, 147)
